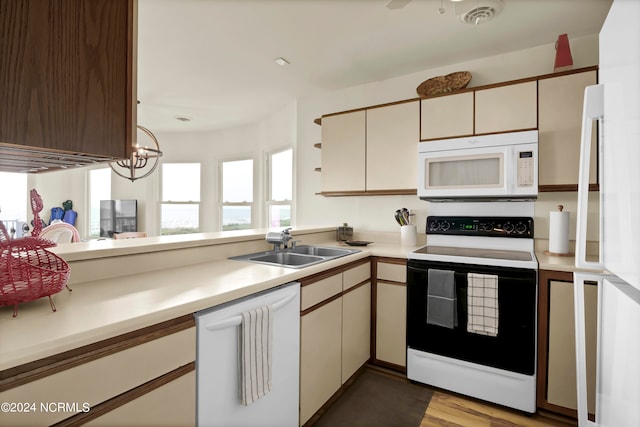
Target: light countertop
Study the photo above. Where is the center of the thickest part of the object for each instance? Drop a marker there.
(101, 309)
(105, 308)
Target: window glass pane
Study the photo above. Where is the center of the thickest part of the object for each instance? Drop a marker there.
(181, 182)
(237, 181)
(13, 201)
(236, 217)
(179, 218)
(282, 175)
(280, 216)
(99, 189)
(13, 197)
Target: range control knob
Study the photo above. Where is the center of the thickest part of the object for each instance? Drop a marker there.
(521, 228)
(434, 226)
(508, 227)
(445, 225)
(487, 226)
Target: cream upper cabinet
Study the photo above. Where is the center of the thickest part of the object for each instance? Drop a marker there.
(506, 108)
(446, 116)
(560, 109)
(343, 152)
(392, 145)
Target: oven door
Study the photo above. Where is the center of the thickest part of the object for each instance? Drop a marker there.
(513, 348)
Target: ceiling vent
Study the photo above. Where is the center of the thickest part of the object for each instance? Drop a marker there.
(477, 12)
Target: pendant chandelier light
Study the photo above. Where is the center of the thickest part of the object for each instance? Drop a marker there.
(143, 160)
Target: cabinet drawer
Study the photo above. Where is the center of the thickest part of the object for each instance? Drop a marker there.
(392, 272)
(103, 378)
(320, 291)
(356, 275)
(170, 405)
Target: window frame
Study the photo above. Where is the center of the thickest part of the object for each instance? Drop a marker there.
(269, 201)
(163, 202)
(253, 205)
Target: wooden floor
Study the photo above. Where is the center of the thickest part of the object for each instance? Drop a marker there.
(451, 410)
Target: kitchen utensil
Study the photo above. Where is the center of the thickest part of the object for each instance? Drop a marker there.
(406, 216)
(398, 216)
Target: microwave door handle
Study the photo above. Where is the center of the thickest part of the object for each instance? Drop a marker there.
(593, 109)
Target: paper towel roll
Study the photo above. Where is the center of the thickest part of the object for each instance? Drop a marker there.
(559, 231)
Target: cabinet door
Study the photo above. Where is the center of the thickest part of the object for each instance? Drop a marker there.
(320, 357)
(392, 146)
(75, 92)
(561, 375)
(446, 116)
(560, 110)
(391, 314)
(343, 152)
(356, 330)
(507, 108)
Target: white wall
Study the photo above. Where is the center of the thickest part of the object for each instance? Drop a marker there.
(293, 125)
(376, 212)
(209, 148)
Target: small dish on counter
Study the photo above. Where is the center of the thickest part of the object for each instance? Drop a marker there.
(357, 242)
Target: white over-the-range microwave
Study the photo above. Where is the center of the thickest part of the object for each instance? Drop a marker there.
(488, 167)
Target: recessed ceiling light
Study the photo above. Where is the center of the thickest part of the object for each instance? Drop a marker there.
(183, 118)
(281, 61)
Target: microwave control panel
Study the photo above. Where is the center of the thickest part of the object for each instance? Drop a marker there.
(525, 168)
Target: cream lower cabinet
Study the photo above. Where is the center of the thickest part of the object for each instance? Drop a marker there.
(506, 108)
(334, 332)
(320, 357)
(557, 372)
(560, 117)
(391, 313)
(118, 379)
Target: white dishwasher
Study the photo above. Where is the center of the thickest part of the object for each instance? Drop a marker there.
(219, 362)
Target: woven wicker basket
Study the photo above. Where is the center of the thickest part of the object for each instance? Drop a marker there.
(444, 84)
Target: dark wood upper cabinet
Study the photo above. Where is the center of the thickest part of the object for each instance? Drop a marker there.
(67, 82)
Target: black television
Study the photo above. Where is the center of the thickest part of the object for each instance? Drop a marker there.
(118, 216)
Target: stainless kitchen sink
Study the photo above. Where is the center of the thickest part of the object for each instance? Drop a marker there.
(298, 257)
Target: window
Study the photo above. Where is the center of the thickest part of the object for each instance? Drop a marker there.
(99, 189)
(237, 194)
(280, 180)
(180, 207)
(13, 200)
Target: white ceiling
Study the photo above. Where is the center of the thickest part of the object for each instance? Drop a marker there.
(213, 60)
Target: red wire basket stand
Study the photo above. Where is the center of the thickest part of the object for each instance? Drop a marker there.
(27, 270)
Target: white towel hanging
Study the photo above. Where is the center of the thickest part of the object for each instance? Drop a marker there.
(256, 353)
(482, 304)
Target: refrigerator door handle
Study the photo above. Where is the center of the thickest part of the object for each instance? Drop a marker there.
(579, 280)
(593, 109)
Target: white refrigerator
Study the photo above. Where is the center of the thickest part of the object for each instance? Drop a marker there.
(615, 105)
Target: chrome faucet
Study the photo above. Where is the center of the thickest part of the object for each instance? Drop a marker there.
(279, 238)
